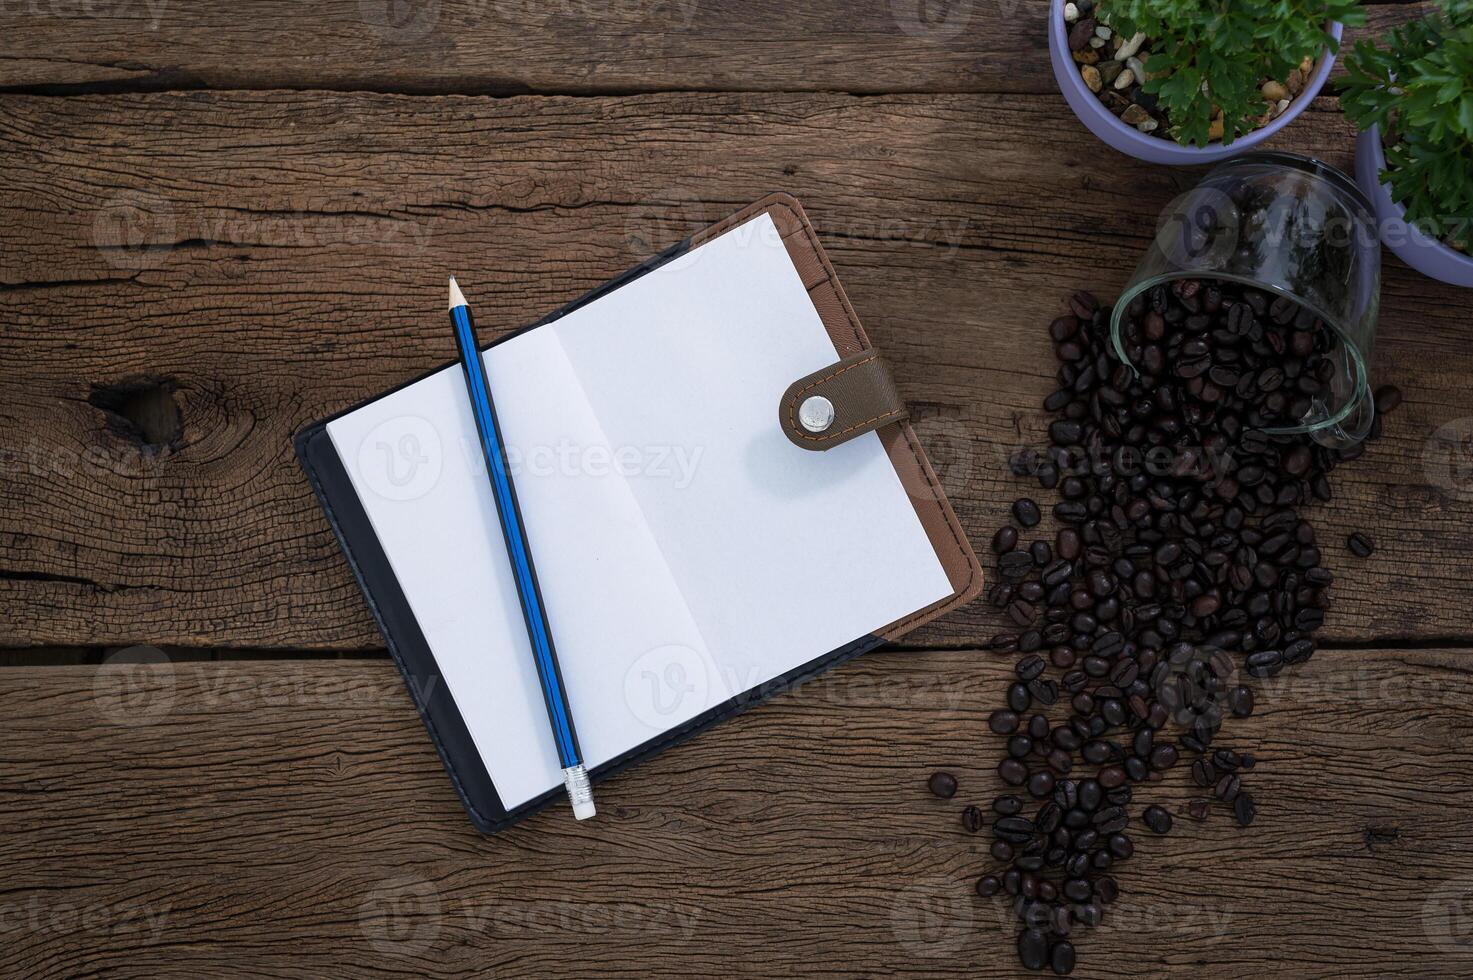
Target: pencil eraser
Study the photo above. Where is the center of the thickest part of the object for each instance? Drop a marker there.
(580, 791)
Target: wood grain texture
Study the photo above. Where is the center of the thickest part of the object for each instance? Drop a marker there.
(274, 258)
(510, 47)
(291, 818)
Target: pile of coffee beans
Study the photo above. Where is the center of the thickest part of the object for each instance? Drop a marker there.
(1180, 570)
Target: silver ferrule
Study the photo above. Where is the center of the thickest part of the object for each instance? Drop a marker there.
(580, 791)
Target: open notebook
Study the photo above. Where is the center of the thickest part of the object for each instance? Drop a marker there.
(688, 553)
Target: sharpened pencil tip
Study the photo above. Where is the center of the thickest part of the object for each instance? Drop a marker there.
(457, 298)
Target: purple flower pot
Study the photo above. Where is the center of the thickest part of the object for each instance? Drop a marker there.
(1422, 252)
(1153, 149)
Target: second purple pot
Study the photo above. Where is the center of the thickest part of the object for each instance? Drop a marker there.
(1422, 252)
(1153, 149)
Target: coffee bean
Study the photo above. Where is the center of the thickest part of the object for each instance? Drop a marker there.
(1003, 642)
(1240, 701)
(1025, 512)
(1360, 545)
(1005, 540)
(1040, 784)
(1065, 433)
(1007, 805)
(1003, 722)
(1078, 890)
(1205, 605)
(1387, 397)
(1070, 511)
(942, 784)
(1014, 830)
(1013, 772)
(1157, 819)
(1032, 949)
(1091, 794)
(1244, 810)
(1061, 958)
(1110, 820)
(972, 819)
(1265, 663)
(988, 885)
(1022, 613)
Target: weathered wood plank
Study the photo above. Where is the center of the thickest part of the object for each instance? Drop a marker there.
(508, 47)
(291, 817)
(277, 257)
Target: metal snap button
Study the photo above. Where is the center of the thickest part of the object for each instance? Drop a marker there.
(816, 413)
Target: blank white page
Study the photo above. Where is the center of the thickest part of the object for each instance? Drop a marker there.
(686, 550)
(608, 594)
(782, 553)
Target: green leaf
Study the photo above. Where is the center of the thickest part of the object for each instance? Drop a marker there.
(1417, 85)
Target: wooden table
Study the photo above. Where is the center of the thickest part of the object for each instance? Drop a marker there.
(221, 221)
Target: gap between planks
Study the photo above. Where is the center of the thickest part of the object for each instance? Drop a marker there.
(85, 656)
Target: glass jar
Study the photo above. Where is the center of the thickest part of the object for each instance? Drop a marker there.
(1292, 226)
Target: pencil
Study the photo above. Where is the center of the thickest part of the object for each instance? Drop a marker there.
(519, 554)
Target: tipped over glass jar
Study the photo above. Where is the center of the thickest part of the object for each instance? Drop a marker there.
(1293, 242)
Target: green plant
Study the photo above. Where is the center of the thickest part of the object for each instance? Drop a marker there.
(1419, 91)
(1215, 54)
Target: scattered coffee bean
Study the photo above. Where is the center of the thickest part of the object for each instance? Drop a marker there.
(1040, 784)
(1030, 667)
(1033, 948)
(1013, 772)
(942, 784)
(1181, 563)
(1158, 819)
(1203, 773)
(1360, 545)
(1240, 701)
(1025, 512)
(1061, 958)
(1007, 805)
(1244, 810)
(972, 819)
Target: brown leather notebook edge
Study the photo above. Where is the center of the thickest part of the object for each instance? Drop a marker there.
(934, 511)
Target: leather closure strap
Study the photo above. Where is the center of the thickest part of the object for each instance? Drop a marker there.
(840, 402)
